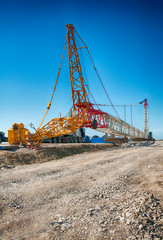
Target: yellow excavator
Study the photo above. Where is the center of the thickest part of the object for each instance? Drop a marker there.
(82, 113)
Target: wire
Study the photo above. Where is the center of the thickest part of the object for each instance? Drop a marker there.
(131, 115)
(124, 105)
(82, 60)
(49, 104)
(92, 97)
(85, 82)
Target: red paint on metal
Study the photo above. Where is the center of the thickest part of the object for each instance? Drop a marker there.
(145, 102)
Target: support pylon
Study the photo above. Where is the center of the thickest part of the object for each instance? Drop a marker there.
(145, 116)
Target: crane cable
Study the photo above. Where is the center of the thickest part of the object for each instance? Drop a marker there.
(86, 82)
(98, 74)
(49, 104)
(82, 62)
(120, 105)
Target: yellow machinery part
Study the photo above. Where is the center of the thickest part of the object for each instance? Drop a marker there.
(18, 134)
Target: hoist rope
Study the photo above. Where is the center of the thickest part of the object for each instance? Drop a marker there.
(120, 105)
(85, 82)
(82, 62)
(49, 104)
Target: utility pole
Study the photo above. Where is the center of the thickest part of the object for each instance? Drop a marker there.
(125, 113)
(131, 115)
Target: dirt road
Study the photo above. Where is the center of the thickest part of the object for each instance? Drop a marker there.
(109, 194)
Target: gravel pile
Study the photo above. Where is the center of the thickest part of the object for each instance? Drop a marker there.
(144, 218)
(112, 211)
(135, 217)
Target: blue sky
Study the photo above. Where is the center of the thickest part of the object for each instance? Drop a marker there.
(124, 38)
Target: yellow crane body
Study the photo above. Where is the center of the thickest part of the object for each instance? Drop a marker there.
(18, 133)
(78, 114)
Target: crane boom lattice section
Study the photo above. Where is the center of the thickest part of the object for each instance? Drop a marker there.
(118, 127)
(79, 94)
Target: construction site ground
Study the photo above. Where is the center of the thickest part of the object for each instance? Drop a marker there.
(82, 191)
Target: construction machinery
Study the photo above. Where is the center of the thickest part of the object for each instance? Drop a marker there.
(2, 137)
(76, 137)
(82, 114)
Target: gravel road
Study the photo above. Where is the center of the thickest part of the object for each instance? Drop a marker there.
(113, 194)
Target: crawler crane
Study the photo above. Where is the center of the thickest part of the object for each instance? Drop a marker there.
(82, 113)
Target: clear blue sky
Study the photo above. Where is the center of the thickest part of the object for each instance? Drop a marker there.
(125, 39)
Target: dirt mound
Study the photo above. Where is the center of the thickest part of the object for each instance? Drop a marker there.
(47, 152)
